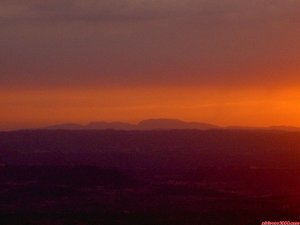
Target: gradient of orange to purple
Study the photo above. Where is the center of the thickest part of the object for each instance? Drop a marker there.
(227, 62)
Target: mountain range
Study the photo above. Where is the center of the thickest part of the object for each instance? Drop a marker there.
(160, 124)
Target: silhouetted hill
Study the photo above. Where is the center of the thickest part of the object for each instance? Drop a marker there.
(162, 124)
(110, 125)
(67, 126)
(153, 124)
(285, 128)
(150, 124)
(270, 128)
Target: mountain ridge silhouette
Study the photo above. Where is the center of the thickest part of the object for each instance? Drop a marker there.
(148, 124)
(161, 124)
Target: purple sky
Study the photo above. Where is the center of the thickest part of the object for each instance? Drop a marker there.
(166, 42)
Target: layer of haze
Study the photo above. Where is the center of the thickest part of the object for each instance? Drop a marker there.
(219, 61)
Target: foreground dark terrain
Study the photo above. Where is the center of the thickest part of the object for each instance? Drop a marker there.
(171, 177)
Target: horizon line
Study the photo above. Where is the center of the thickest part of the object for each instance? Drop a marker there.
(137, 125)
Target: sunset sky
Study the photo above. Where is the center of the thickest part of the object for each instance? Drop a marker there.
(227, 62)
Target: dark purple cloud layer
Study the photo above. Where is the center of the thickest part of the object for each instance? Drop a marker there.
(131, 42)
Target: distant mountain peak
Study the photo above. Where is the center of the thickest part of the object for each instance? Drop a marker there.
(110, 125)
(149, 124)
(65, 126)
(162, 123)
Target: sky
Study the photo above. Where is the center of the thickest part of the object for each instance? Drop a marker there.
(228, 62)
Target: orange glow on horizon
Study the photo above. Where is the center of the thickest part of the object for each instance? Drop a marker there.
(248, 107)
